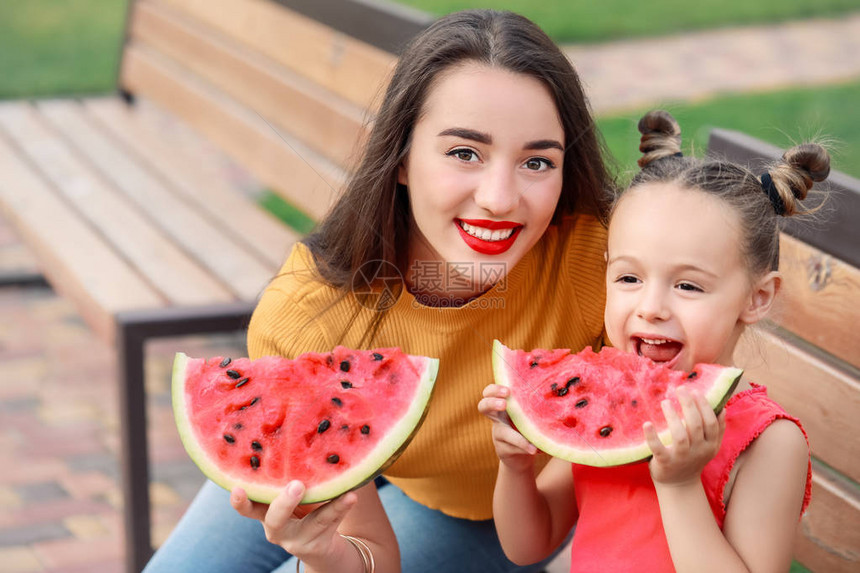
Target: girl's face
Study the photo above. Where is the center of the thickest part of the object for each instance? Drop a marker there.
(678, 290)
(484, 177)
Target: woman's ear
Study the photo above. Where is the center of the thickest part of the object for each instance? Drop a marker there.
(401, 174)
(761, 299)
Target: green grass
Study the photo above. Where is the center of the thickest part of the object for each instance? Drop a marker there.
(59, 47)
(597, 20)
(829, 114)
(286, 212)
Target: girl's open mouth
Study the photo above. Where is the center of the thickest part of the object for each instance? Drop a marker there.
(488, 237)
(660, 350)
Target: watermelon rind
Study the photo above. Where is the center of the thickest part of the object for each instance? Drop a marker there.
(379, 458)
(717, 396)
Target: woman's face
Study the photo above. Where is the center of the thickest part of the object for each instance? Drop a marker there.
(484, 174)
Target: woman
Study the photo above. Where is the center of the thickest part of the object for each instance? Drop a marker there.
(482, 188)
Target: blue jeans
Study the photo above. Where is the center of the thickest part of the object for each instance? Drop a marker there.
(212, 537)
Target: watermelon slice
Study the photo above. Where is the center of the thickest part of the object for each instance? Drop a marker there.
(334, 421)
(588, 408)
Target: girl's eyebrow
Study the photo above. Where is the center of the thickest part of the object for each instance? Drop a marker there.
(486, 139)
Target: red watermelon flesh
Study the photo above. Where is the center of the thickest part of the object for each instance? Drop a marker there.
(589, 407)
(333, 421)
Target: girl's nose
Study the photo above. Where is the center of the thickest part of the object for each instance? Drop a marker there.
(652, 305)
(497, 192)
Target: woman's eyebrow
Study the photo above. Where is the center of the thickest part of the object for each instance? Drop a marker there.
(486, 139)
(466, 133)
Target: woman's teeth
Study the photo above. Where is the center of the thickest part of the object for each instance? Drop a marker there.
(486, 234)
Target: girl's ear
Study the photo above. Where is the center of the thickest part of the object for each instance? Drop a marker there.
(401, 174)
(761, 297)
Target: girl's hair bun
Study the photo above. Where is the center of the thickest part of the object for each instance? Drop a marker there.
(801, 167)
(661, 137)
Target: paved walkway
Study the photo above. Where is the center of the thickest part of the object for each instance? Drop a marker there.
(59, 493)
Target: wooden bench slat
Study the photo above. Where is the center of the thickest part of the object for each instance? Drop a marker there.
(820, 299)
(341, 64)
(239, 271)
(829, 534)
(73, 256)
(169, 270)
(323, 121)
(824, 398)
(181, 157)
(287, 166)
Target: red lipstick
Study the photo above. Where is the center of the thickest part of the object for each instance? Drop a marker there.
(488, 247)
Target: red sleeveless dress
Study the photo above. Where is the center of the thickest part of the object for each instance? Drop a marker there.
(619, 526)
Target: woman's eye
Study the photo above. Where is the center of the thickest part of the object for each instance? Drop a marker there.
(538, 164)
(463, 154)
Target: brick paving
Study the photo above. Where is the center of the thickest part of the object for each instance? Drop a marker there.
(60, 508)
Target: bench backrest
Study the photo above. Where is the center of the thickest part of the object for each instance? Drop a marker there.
(809, 356)
(285, 95)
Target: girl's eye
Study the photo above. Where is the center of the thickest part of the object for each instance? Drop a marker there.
(539, 164)
(463, 154)
(627, 279)
(689, 287)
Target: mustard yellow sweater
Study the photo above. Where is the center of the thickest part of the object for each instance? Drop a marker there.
(553, 298)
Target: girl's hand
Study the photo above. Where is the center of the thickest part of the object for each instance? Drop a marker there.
(695, 440)
(309, 531)
(513, 449)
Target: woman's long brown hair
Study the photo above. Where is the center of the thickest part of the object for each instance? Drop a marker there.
(369, 224)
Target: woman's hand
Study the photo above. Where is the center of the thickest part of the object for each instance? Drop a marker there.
(307, 532)
(513, 449)
(695, 440)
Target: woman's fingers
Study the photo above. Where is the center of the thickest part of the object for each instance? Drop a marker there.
(328, 517)
(282, 507)
(240, 502)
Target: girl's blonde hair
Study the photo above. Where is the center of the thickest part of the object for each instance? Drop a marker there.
(759, 200)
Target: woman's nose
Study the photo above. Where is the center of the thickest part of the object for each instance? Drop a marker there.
(497, 192)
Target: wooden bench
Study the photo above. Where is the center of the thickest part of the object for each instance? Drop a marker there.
(131, 210)
(809, 356)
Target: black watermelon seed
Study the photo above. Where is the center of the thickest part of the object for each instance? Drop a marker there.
(324, 425)
(553, 386)
(605, 431)
(377, 356)
(344, 366)
(533, 364)
(242, 382)
(634, 403)
(572, 382)
(256, 446)
(237, 426)
(229, 438)
(562, 391)
(333, 459)
(226, 362)
(255, 462)
(581, 404)
(692, 375)
(251, 403)
(337, 401)
(233, 374)
(344, 427)
(345, 384)
(365, 429)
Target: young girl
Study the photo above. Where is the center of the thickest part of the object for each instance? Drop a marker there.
(482, 185)
(691, 261)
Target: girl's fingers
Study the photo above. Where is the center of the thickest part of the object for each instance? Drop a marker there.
(680, 439)
(710, 424)
(496, 391)
(653, 441)
(282, 508)
(692, 415)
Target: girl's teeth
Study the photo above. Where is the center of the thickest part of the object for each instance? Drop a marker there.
(655, 340)
(486, 234)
